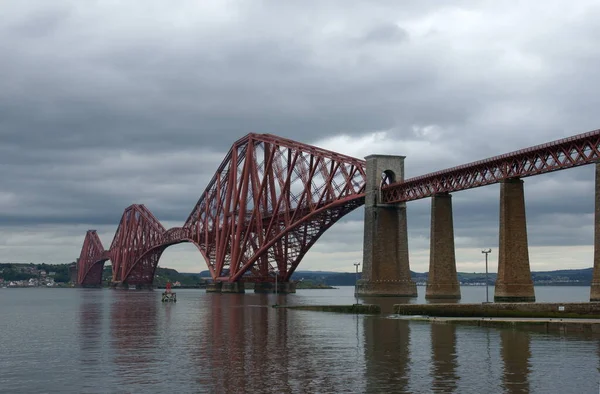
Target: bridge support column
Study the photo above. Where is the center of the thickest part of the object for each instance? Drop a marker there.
(514, 282)
(385, 268)
(214, 287)
(595, 287)
(233, 287)
(443, 280)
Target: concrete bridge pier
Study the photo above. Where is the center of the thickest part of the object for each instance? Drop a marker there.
(595, 287)
(233, 287)
(514, 282)
(443, 280)
(214, 287)
(385, 268)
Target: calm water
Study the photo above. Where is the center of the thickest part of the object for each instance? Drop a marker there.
(106, 341)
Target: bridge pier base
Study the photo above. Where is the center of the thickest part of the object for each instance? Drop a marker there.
(595, 287)
(385, 268)
(233, 287)
(286, 288)
(443, 280)
(214, 287)
(514, 282)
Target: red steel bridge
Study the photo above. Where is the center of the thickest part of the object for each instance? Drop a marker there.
(272, 198)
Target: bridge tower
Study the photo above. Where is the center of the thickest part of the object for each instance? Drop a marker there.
(595, 285)
(386, 270)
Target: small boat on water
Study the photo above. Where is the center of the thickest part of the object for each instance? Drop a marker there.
(168, 295)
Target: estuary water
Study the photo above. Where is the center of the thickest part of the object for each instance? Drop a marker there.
(111, 341)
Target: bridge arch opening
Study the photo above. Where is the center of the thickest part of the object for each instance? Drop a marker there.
(94, 274)
(184, 258)
(337, 249)
(388, 177)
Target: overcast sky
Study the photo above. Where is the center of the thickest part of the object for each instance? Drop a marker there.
(108, 103)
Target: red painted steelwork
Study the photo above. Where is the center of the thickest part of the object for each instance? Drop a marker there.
(269, 201)
(557, 155)
(91, 260)
(272, 198)
(136, 246)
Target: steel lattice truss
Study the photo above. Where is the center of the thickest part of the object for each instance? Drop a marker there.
(91, 260)
(272, 198)
(268, 203)
(557, 155)
(136, 246)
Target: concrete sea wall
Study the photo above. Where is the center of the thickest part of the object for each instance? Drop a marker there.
(361, 308)
(583, 310)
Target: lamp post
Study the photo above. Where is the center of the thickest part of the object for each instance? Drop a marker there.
(276, 275)
(486, 251)
(356, 283)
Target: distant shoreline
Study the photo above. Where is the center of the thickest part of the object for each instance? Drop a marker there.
(298, 288)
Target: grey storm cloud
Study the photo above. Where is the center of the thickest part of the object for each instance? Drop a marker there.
(109, 104)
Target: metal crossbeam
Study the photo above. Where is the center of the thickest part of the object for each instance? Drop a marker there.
(269, 201)
(91, 260)
(139, 232)
(557, 155)
(272, 198)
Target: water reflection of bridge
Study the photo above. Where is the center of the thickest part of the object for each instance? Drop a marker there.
(245, 344)
(409, 357)
(239, 344)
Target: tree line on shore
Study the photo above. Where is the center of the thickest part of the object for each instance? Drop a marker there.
(61, 274)
(14, 272)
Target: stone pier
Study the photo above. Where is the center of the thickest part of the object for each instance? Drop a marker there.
(214, 287)
(385, 268)
(233, 287)
(514, 282)
(443, 280)
(595, 287)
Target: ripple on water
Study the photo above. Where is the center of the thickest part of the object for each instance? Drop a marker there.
(93, 341)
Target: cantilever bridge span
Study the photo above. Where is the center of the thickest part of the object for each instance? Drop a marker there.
(272, 198)
(268, 203)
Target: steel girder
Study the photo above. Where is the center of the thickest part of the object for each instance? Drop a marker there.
(91, 260)
(272, 198)
(557, 155)
(269, 201)
(139, 232)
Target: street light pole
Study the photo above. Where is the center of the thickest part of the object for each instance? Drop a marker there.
(356, 283)
(486, 251)
(276, 275)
